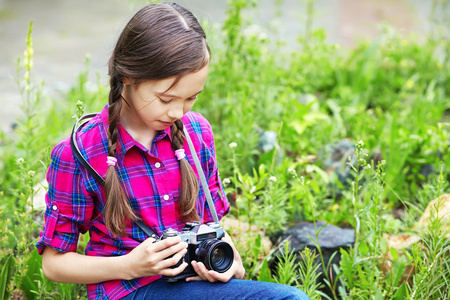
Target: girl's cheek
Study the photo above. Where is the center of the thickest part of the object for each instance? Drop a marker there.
(188, 107)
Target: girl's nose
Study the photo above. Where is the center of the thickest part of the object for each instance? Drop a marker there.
(176, 111)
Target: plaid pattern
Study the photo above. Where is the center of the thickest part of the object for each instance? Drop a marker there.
(151, 179)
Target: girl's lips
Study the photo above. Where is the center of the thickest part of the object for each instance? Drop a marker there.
(166, 124)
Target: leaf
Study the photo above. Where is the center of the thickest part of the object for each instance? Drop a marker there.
(398, 269)
(32, 274)
(362, 275)
(5, 276)
(401, 293)
(379, 294)
(28, 286)
(363, 248)
(324, 175)
(330, 260)
(394, 253)
(346, 266)
(264, 274)
(383, 244)
(257, 247)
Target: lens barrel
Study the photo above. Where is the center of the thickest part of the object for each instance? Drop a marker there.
(216, 255)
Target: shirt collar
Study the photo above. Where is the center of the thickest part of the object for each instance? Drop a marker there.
(126, 141)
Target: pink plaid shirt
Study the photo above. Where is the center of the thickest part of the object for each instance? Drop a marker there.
(151, 179)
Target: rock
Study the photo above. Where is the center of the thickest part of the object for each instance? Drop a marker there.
(40, 190)
(240, 233)
(444, 212)
(38, 201)
(331, 237)
(404, 241)
(400, 242)
(268, 141)
(337, 163)
(331, 240)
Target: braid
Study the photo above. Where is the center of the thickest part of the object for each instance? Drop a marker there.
(189, 183)
(176, 132)
(117, 207)
(159, 42)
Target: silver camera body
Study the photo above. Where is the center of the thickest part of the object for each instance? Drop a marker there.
(204, 245)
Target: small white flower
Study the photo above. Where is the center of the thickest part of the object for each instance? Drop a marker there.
(226, 181)
(20, 161)
(31, 173)
(273, 179)
(232, 145)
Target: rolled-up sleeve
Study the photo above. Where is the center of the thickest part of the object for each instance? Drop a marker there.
(69, 207)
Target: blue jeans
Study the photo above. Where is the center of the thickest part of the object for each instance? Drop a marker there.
(198, 290)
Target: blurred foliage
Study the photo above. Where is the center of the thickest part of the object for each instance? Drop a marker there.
(306, 133)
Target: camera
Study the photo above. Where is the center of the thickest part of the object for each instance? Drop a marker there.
(204, 245)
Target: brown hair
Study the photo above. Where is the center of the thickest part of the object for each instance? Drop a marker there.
(161, 41)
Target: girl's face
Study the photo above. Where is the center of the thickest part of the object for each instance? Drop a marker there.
(152, 107)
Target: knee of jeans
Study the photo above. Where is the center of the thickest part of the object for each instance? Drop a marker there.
(295, 293)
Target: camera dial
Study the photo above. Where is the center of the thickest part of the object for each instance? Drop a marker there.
(169, 233)
(214, 225)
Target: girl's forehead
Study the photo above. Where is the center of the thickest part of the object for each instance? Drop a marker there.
(188, 85)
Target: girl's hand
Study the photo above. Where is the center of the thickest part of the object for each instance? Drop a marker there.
(149, 258)
(236, 271)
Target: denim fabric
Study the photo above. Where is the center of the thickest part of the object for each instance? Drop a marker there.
(198, 290)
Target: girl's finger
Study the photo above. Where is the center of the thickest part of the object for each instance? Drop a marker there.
(222, 277)
(197, 270)
(202, 271)
(195, 278)
(166, 243)
(174, 271)
(171, 250)
(172, 261)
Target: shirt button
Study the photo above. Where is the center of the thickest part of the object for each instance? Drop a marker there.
(166, 197)
(54, 207)
(157, 165)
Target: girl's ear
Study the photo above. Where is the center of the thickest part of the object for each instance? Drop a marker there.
(126, 80)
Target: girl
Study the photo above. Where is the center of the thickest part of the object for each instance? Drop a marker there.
(157, 69)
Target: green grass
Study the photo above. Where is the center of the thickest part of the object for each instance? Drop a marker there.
(392, 94)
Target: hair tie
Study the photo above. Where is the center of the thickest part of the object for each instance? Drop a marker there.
(180, 154)
(111, 160)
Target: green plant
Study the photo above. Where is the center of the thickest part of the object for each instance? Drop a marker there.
(391, 92)
(433, 270)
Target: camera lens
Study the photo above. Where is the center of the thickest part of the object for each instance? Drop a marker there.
(216, 255)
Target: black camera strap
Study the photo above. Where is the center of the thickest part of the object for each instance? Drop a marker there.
(76, 151)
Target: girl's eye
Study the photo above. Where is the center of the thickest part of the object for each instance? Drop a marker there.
(170, 100)
(164, 101)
